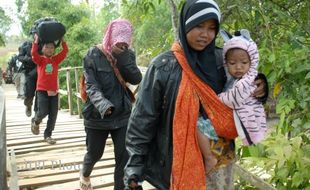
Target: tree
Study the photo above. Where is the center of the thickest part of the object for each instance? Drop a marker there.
(5, 22)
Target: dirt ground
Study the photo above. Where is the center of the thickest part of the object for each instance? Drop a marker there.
(5, 53)
(6, 50)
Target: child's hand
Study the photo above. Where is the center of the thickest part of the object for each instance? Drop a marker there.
(36, 38)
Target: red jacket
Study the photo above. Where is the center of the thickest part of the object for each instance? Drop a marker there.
(47, 67)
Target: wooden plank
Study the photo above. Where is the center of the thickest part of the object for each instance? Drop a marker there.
(252, 179)
(34, 139)
(28, 134)
(3, 149)
(48, 180)
(43, 146)
(56, 167)
(49, 147)
(97, 182)
(42, 143)
(14, 175)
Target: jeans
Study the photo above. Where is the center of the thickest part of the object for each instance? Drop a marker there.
(95, 142)
(47, 106)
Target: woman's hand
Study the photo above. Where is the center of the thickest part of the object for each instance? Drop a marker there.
(260, 91)
(119, 48)
(108, 112)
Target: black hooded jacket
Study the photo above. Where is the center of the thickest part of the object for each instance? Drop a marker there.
(105, 91)
(24, 56)
(149, 135)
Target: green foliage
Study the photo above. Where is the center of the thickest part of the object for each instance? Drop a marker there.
(80, 34)
(80, 37)
(107, 13)
(281, 30)
(286, 161)
(5, 22)
(41, 8)
(2, 42)
(153, 31)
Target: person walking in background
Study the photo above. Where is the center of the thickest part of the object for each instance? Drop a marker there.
(107, 68)
(47, 87)
(178, 86)
(15, 67)
(30, 70)
(241, 59)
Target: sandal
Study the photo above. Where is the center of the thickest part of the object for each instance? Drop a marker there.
(35, 128)
(50, 140)
(84, 185)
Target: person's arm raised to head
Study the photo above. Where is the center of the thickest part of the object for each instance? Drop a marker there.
(34, 50)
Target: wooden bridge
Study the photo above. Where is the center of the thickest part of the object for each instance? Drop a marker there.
(27, 162)
(33, 164)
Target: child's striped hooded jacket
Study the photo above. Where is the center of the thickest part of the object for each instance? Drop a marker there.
(250, 111)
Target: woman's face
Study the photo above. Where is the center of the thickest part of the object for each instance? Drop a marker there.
(199, 37)
(238, 62)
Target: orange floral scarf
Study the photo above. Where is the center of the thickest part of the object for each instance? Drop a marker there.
(187, 167)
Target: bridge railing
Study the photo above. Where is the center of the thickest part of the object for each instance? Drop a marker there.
(72, 88)
(72, 91)
(3, 148)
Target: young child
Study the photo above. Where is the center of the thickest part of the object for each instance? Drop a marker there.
(241, 59)
(47, 87)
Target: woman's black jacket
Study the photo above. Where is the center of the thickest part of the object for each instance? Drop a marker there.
(105, 91)
(149, 133)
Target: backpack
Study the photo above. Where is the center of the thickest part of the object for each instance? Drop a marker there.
(83, 94)
(51, 31)
(48, 29)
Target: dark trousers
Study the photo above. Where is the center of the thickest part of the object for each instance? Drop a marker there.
(47, 105)
(95, 142)
(30, 87)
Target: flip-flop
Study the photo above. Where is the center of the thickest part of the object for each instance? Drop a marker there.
(85, 185)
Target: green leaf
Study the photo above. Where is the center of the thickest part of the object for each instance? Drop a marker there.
(287, 150)
(297, 179)
(272, 58)
(283, 173)
(296, 142)
(307, 76)
(278, 151)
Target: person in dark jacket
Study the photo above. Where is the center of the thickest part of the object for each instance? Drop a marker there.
(30, 70)
(107, 67)
(178, 86)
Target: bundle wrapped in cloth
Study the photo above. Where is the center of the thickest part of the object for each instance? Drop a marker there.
(49, 30)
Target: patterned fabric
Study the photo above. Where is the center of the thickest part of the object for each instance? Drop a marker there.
(206, 128)
(249, 109)
(119, 30)
(221, 176)
(186, 153)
